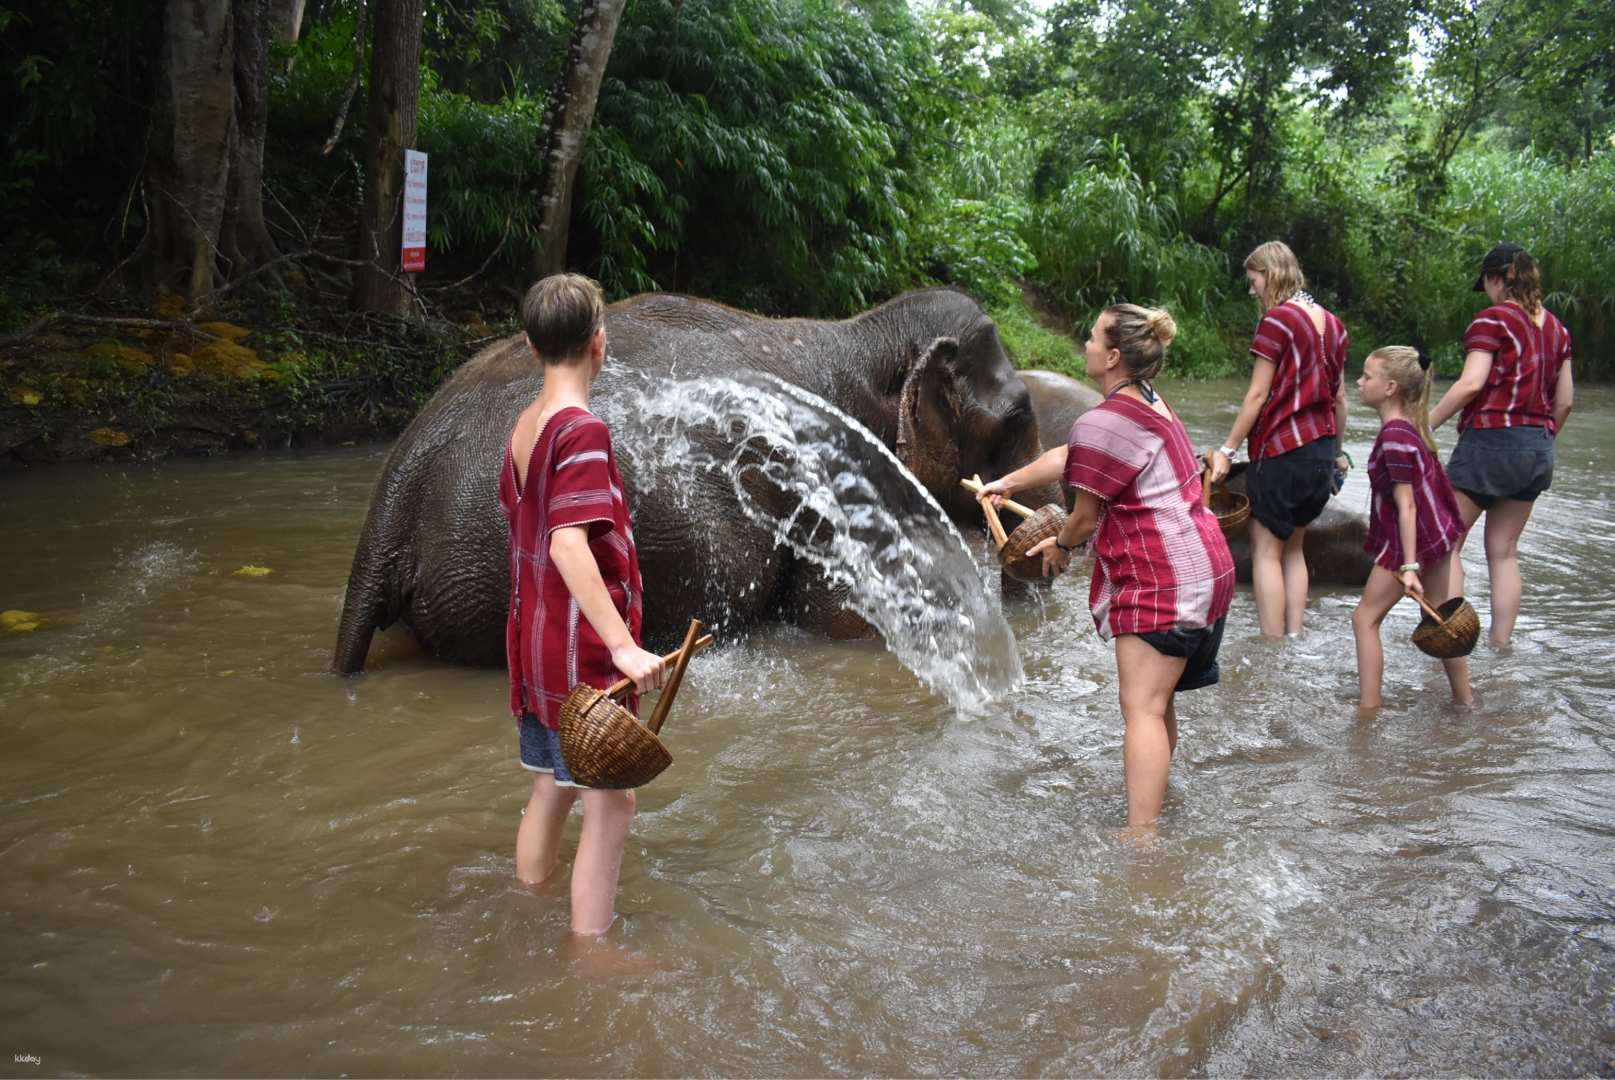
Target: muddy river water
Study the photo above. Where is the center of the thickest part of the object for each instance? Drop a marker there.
(218, 859)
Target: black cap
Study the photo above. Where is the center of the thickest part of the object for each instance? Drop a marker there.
(1496, 263)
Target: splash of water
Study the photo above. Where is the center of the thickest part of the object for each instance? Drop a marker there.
(832, 492)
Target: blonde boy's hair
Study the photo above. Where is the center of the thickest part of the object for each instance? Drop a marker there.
(560, 314)
(1278, 264)
(1406, 366)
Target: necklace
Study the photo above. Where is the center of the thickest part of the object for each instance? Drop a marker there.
(1144, 389)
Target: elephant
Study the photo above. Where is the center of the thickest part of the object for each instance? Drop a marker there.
(924, 373)
(1333, 544)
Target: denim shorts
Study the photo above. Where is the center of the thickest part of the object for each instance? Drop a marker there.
(541, 750)
(1502, 463)
(1289, 491)
(1198, 646)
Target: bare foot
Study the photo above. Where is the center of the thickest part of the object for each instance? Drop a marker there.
(601, 956)
(1140, 837)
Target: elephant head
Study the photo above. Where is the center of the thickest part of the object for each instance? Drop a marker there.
(962, 410)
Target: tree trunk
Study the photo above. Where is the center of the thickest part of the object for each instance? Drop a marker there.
(286, 20)
(245, 240)
(570, 112)
(193, 129)
(395, 75)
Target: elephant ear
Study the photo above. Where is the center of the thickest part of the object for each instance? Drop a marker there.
(928, 416)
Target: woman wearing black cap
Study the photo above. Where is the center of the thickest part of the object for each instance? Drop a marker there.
(1514, 393)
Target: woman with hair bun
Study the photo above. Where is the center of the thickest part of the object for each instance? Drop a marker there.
(1515, 393)
(1295, 415)
(1163, 578)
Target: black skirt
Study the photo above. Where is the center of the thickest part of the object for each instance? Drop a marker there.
(1289, 491)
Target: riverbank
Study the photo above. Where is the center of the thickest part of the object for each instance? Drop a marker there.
(111, 384)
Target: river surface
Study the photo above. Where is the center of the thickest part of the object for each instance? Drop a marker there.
(218, 859)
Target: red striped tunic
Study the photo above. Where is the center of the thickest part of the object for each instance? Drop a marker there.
(1401, 457)
(1307, 371)
(1526, 359)
(1160, 561)
(571, 480)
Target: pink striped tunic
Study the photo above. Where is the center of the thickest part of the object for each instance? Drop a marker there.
(1526, 359)
(571, 480)
(1160, 561)
(1401, 457)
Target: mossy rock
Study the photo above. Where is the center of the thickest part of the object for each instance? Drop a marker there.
(226, 330)
(26, 395)
(105, 436)
(125, 356)
(169, 306)
(180, 364)
(224, 359)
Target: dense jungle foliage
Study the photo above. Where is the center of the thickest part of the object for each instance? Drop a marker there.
(815, 156)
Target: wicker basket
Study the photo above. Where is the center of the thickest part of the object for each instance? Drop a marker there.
(1046, 521)
(604, 745)
(1448, 632)
(1040, 524)
(1232, 509)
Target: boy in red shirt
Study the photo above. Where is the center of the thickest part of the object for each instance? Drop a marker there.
(576, 604)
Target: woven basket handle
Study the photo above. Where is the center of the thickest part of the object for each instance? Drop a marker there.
(1428, 610)
(622, 686)
(665, 702)
(974, 485)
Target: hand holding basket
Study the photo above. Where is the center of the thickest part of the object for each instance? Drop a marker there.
(1040, 524)
(1232, 509)
(603, 744)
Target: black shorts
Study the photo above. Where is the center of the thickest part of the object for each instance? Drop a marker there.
(1289, 491)
(1502, 463)
(1199, 646)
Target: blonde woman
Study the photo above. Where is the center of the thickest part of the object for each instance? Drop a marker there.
(1163, 578)
(1295, 417)
(1515, 393)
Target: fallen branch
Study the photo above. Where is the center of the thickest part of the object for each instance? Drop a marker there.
(33, 328)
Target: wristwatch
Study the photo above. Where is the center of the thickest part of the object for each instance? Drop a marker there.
(1072, 550)
(1404, 568)
(1228, 452)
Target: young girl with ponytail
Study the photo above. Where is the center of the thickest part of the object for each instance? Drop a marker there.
(1515, 393)
(1413, 523)
(1163, 578)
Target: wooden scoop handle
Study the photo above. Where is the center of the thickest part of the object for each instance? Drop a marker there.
(622, 686)
(974, 485)
(665, 702)
(1428, 610)
(1205, 482)
(994, 526)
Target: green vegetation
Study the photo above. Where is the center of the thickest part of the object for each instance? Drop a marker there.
(813, 157)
